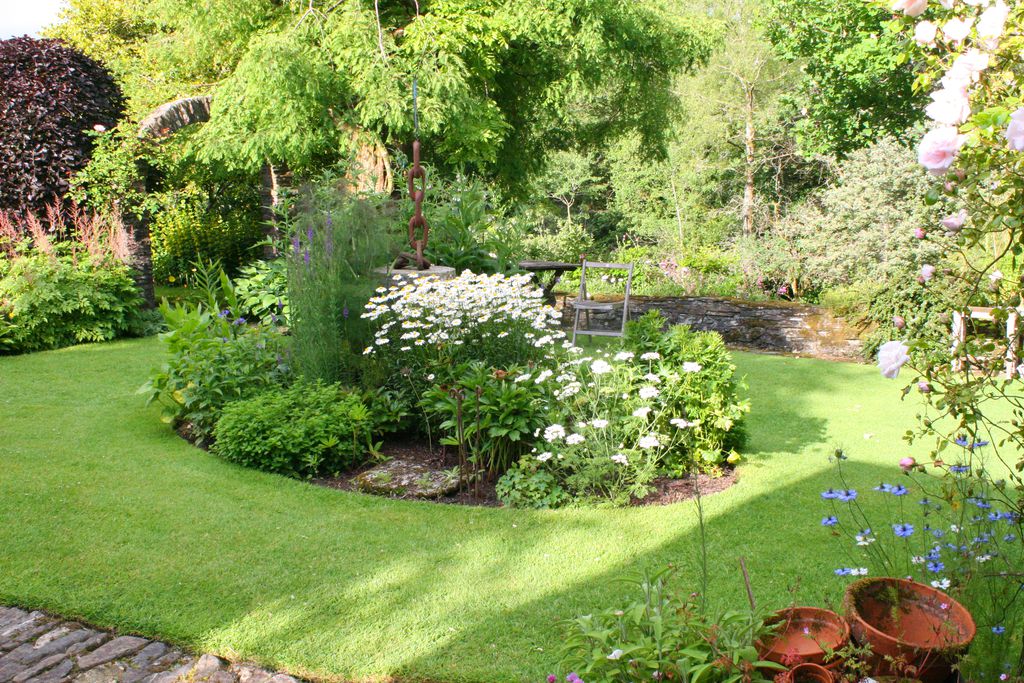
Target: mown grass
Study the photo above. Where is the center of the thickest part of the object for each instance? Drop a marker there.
(107, 516)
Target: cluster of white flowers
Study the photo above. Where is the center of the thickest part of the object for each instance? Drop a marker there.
(649, 441)
(432, 311)
(554, 433)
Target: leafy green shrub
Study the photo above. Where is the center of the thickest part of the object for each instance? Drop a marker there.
(488, 415)
(858, 229)
(50, 301)
(262, 290)
(190, 228)
(527, 485)
(307, 429)
(708, 271)
(663, 637)
(216, 358)
(568, 244)
(707, 390)
(460, 233)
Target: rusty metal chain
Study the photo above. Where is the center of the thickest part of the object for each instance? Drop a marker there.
(419, 230)
(418, 222)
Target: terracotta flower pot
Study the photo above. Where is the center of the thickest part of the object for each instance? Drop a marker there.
(803, 635)
(808, 673)
(910, 622)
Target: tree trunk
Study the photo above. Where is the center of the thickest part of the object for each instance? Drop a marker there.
(371, 171)
(142, 257)
(274, 180)
(750, 149)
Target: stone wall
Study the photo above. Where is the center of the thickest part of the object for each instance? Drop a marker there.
(772, 326)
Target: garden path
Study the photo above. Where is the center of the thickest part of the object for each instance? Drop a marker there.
(38, 647)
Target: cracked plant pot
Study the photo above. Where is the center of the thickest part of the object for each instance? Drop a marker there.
(913, 629)
(804, 635)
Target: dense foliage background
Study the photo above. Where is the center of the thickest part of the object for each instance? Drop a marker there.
(726, 147)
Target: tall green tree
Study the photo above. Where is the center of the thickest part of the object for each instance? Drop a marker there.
(501, 82)
(857, 85)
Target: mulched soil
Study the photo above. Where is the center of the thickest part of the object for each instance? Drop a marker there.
(666, 491)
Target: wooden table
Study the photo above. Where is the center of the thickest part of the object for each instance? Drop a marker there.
(556, 268)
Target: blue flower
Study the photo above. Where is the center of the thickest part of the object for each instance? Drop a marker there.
(924, 501)
(959, 469)
(1010, 538)
(999, 630)
(899, 490)
(238, 321)
(845, 571)
(938, 533)
(935, 553)
(847, 496)
(935, 567)
(225, 313)
(969, 445)
(884, 488)
(903, 530)
(830, 494)
(831, 520)
(994, 516)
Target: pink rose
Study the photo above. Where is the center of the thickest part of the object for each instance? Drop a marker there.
(927, 272)
(956, 29)
(899, 322)
(950, 107)
(924, 32)
(907, 464)
(955, 221)
(912, 8)
(993, 20)
(938, 149)
(891, 357)
(919, 233)
(1015, 131)
(970, 64)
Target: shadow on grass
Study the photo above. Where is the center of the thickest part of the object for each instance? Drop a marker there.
(496, 613)
(104, 515)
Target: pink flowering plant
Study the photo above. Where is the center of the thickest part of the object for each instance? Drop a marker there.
(971, 68)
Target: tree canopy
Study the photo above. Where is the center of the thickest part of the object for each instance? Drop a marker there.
(858, 84)
(501, 82)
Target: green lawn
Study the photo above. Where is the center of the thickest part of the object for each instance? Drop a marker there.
(107, 516)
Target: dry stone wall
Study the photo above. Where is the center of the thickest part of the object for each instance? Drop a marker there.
(771, 326)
